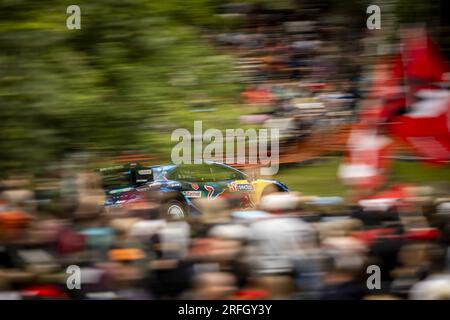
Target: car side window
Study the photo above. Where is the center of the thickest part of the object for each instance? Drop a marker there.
(222, 173)
(194, 173)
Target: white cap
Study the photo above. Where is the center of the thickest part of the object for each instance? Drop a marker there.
(279, 201)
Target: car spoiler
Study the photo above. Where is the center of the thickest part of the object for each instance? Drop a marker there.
(131, 174)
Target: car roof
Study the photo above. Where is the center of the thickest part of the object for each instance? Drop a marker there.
(171, 167)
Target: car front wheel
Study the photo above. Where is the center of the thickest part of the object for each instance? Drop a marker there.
(175, 209)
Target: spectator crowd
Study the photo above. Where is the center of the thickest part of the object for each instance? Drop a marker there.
(290, 246)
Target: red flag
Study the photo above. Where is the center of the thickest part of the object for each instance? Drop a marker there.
(366, 161)
(422, 61)
(406, 102)
(423, 121)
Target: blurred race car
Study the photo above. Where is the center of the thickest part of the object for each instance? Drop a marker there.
(175, 187)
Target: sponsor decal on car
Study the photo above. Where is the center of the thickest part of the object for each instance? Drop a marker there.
(121, 190)
(210, 190)
(194, 186)
(192, 194)
(235, 187)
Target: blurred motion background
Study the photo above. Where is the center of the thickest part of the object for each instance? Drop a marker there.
(73, 101)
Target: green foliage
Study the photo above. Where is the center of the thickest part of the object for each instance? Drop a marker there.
(134, 65)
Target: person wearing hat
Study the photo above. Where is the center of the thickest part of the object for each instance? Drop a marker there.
(278, 242)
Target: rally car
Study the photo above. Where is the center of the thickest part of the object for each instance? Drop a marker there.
(176, 187)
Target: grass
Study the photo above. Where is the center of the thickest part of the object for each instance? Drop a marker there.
(320, 178)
